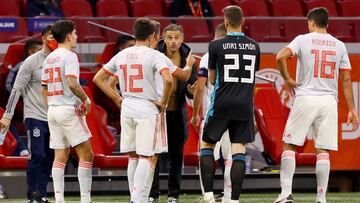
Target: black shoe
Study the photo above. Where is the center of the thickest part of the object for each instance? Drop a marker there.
(219, 197)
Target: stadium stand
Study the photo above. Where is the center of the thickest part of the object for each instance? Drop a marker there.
(249, 5)
(76, 8)
(146, 8)
(349, 7)
(271, 116)
(344, 30)
(9, 8)
(6, 150)
(21, 33)
(218, 5)
(282, 7)
(115, 8)
(329, 4)
(264, 30)
(198, 33)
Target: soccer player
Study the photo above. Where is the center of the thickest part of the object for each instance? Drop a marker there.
(321, 60)
(233, 61)
(142, 129)
(67, 106)
(28, 84)
(202, 97)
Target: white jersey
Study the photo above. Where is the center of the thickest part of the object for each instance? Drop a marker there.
(203, 72)
(136, 67)
(158, 78)
(320, 57)
(58, 65)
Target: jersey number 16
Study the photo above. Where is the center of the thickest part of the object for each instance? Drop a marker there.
(235, 66)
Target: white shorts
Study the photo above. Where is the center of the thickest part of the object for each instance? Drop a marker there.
(224, 143)
(145, 136)
(67, 126)
(318, 112)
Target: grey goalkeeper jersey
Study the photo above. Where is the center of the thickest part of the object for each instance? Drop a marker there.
(28, 84)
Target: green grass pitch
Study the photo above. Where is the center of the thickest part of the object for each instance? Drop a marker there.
(245, 198)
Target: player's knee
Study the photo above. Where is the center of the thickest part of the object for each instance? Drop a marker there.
(207, 145)
(287, 147)
(238, 148)
(133, 155)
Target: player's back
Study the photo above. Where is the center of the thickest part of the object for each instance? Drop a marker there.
(58, 65)
(320, 57)
(137, 68)
(235, 59)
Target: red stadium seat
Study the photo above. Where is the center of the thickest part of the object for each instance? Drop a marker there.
(271, 116)
(141, 8)
(253, 7)
(329, 4)
(20, 34)
(349, 7)
(343, 30)
(108, 53)
(87, 32)
(102, 141)
(198, 33)
(14, 55)
(265, 30)
(76, 8)
(6, 150)
(111, 8)
(218, 5)
(294, 27)
(285, 8)
(9, 8)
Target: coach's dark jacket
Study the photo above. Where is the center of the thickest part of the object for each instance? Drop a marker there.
(182, 85)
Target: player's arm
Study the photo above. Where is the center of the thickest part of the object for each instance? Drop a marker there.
(348, 93)
(212, 62)
(100, 81)
(78, 91)
(198, 98)
(44, 92)
(167, 84)
(281, 57)
(113, 81)
(21, 81)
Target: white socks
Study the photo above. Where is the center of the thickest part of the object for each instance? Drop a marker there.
(132, 164)
(57, 174)
(141, 177)
(85, 179)
(227, 179)
(287, 170)
(322, 175)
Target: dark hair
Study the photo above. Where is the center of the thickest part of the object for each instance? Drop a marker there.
(46, 30)
(157, 25)
(233, 15)
(121, 40)
(320, 16)
(30, 44)
(143, 28)
(61, 29)
(174, 27)
(221, 29)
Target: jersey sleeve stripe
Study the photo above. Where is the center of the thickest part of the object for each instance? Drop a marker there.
(71, 76)
(177, 69)
(108, 72)
(166, 68)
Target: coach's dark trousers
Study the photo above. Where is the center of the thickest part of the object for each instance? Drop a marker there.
(41, 156)
(176, 141)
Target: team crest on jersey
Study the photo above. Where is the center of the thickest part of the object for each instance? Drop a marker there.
(274, 74)
(36, 132)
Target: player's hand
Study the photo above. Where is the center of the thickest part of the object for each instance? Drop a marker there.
(190, 60)
(161, 106)
(353, 119)
(86, 107)
(290, 86)
(118, 102)
(4, 123)
(191, 88)
(195, 120)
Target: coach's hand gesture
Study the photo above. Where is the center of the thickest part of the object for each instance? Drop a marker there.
(353, 119)
(190, 60)
(161, 106)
